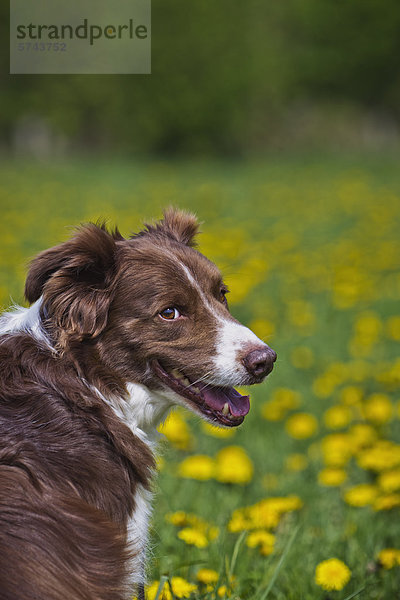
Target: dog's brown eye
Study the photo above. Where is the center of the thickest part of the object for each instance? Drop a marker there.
(222, 296)
(170, 313)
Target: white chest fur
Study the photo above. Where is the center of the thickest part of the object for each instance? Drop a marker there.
(141, 412)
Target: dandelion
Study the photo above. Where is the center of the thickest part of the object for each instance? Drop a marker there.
(387, 502)
(332, 574)
(332, 476)
(151, 591)
(262, 539)
(177, 431)
(240, 522)
(262, 328)
(362, 435)
(378, 409)
(199, 467)
(301, 426)
(233, 466)
(282, 400)
(389, 481)
(351, 395)
(218, 432)
(193, 537)
(361, 495)
(337, 417)
(383, 455)
(207, 576)
(336, 449)
(389, 557)
(180, 589)
(393, 327)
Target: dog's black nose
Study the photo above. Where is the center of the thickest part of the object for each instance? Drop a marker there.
(260, 362)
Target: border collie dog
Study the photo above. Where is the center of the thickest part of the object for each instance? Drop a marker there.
(118, 332)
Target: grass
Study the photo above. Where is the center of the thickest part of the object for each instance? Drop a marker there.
(310, 249)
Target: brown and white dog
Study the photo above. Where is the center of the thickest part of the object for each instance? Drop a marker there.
(119, 331)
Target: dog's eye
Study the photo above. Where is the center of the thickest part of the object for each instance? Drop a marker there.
(222, 296)
(170, 313)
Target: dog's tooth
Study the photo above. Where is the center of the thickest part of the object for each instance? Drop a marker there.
(225, 410)
(195, 389)
(185, 380)
(176, 374)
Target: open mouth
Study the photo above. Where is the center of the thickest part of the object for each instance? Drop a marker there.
(222, 404)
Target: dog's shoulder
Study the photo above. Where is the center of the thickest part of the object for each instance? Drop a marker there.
(59, 430)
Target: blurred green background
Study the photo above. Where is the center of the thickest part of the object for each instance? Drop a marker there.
(228, 78)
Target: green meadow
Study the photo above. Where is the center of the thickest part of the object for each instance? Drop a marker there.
(310, 249)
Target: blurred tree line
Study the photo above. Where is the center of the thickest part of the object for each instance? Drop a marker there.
(225, 75)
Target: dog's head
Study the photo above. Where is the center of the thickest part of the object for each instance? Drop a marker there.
(154, 311)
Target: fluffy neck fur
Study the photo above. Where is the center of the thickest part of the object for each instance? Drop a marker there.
(141, 410)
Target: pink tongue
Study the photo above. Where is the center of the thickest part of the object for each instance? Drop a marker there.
(216, 398)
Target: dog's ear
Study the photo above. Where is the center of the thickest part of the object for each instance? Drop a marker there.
(75, 280)
(178, 225)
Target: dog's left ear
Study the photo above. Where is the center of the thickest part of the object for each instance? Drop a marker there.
(178, 225)
(75, 280)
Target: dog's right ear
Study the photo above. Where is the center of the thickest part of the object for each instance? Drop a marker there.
(75, 280)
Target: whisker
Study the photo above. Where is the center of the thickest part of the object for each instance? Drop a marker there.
(200, 379)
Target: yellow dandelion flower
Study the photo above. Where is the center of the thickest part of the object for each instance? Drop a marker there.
(179, 518)
(368, 327)
(261, 515)
(296, 462)
(233, 466)
(224, 591)
(332, 476)
(177, 431)
(336, 449)
(261, 539)
(389, 557)
(287, 398)
(207, 576)
(266, 513)
(393, 327)
(182, 588)
(282, 504)
(239, 521)
(301, 426)
(361, 495)
(383, 455)
(193, 537)
(362, 435)
(272, 411)
(387, 502)
(198, 466)
(351, 395)
(282, 400)
(332, 574)
(218, 432)
(389, 481)
(302, 357)
(378, 409)
(324, 386)
(337, 417)
(262, 328)
(151, 591)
